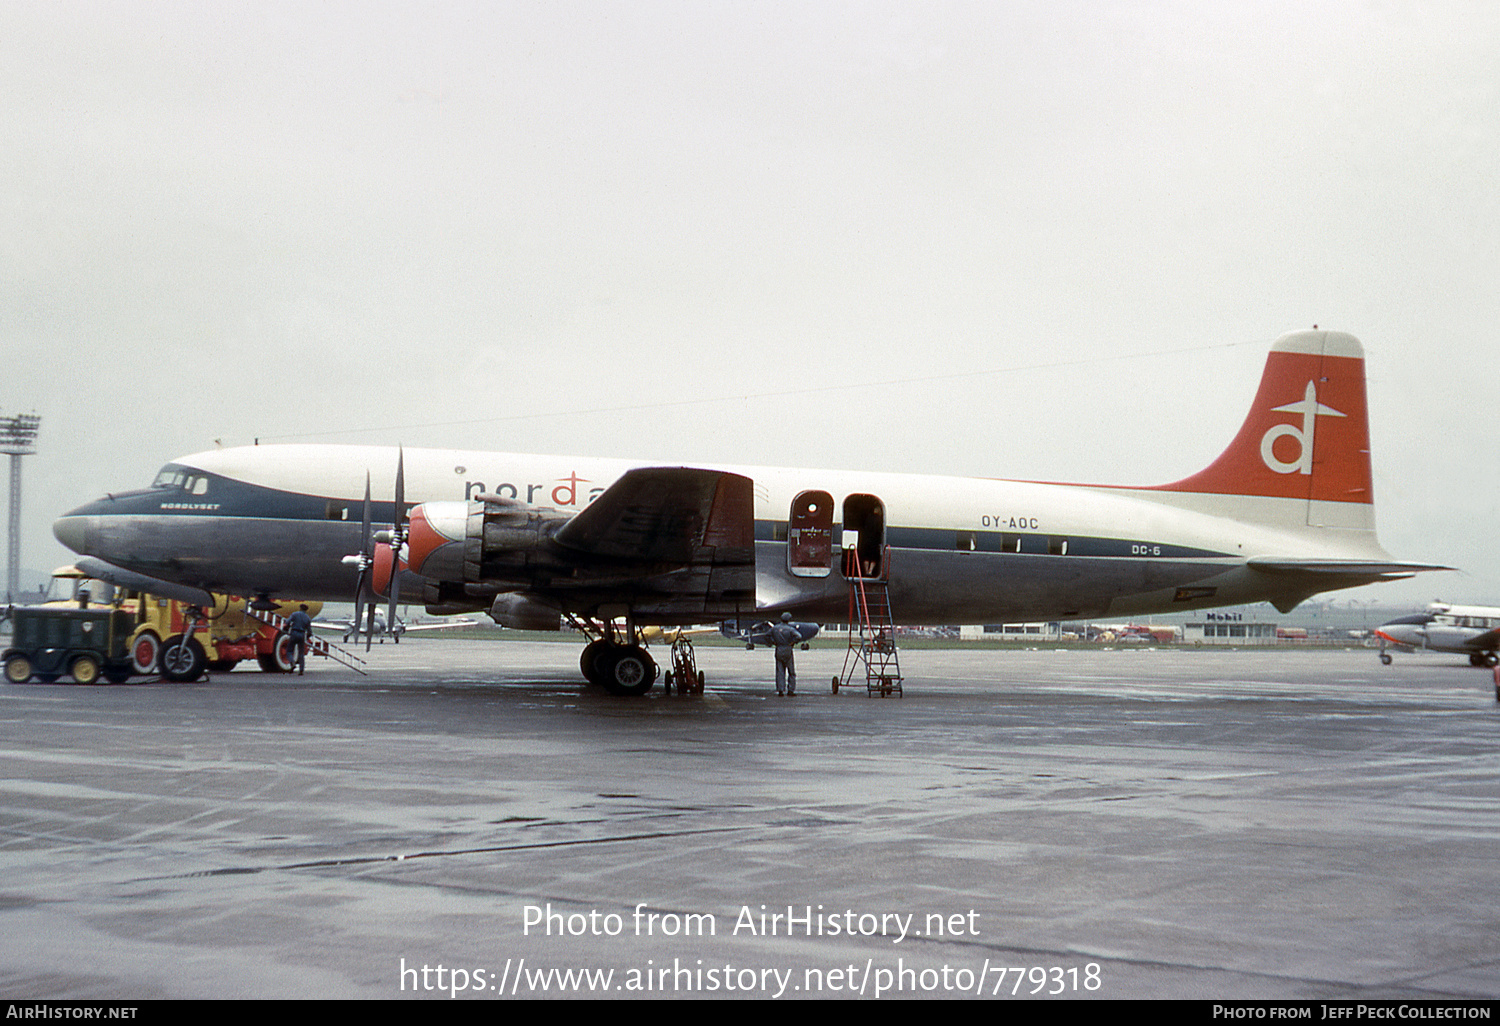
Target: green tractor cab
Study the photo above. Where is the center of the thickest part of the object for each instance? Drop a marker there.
(48, 642)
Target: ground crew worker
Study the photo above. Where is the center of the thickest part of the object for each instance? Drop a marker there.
(299, 630)
(785, 637)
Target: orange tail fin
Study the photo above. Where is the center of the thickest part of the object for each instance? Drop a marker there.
(1307, 435)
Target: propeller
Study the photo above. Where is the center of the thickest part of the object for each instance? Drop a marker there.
(365, 561)
(372, 559)
(397, 540)
(388, 553)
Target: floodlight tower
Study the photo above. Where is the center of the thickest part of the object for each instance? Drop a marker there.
(17, 439)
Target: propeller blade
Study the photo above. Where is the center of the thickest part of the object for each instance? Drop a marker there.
(362, 588)
(365, 523)
(370, 627)
(400, 489)
(397, 539)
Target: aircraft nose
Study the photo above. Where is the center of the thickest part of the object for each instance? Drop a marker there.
(76, 532)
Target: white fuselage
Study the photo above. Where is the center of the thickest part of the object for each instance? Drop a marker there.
(279, 520)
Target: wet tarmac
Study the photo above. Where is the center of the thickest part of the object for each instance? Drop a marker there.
(1133, 823)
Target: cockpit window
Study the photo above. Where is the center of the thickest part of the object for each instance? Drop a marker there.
(172, 478)
(169, 477)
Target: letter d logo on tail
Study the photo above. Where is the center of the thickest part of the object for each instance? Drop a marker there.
(1322, 450)
(1311, 410)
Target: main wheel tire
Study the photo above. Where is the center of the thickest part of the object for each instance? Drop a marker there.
(627, 670)
(18, 669)
(183, 661)
(145, 653)
(588, 660)
(84, 670)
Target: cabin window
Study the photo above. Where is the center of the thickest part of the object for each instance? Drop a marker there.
(1057, 546)
(967, 541)
(336, 511)
(1010, 543)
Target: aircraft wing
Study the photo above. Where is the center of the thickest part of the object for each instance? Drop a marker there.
(122, 578)
(1486, 642)
(681, 540)
(408, 628)
(668, 515)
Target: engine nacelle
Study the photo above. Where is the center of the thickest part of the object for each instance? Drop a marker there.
(473, 542)
(524, 613)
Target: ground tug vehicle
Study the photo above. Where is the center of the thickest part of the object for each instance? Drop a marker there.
(87, 628)
(85, 643)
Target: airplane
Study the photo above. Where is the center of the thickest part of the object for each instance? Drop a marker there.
(759, 633)
(1473, 631)
(609, 546)
(352, 629)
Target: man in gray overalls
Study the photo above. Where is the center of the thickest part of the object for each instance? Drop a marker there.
(299, 630)
(785, 637)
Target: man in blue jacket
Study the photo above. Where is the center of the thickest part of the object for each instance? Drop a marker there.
(299, 630)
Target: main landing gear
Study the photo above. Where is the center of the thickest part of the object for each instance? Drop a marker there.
(619, 668)
(619, 665)
(616, 661)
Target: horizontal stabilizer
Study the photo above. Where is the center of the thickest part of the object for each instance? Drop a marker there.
(1340, 567)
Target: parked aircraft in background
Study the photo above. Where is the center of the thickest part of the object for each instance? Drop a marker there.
(1286, 512)
(353, 630)
(1466, 630)
(759, 633)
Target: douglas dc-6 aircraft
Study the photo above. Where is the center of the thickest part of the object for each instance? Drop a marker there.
(1284, 513)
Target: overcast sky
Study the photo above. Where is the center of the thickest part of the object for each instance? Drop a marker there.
(1046, 240)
